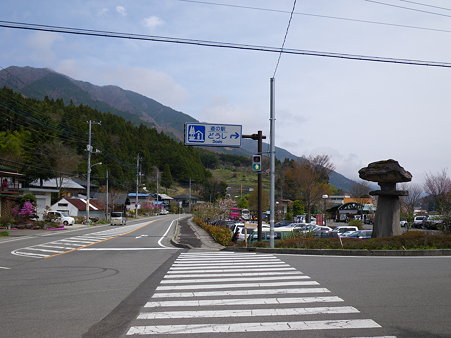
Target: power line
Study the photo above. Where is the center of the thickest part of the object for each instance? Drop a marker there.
(422, 4)
(321, 16)
(408, 8)
(85, 32)
(285, 38)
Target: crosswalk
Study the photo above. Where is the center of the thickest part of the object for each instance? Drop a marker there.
(225, 293)
(60, 246)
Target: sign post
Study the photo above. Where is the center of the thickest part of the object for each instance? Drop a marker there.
(212, 135)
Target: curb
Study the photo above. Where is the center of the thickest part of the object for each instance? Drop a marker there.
(174, 241)
(334, 252)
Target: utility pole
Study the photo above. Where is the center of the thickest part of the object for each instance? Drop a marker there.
(137, 185)
(272, 164)
(107, 214)
(158, 187)
(259, 137)
(90, 151)
(189, 201)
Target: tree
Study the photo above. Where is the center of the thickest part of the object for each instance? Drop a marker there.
(253, 201)
(409, 202)
(438, 186)
(64, 159)
(298, 208)
(360, 189)
(166, 177)
(307, 180)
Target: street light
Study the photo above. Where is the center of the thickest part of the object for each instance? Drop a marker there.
(325, 197)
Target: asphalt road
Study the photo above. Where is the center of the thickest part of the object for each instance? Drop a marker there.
(123, 281)
(68, 294)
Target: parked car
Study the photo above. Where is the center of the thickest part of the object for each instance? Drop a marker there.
(419, 221)
(321, 228)
(282, 223)
(280, 233)
(164, 212)
(60, 217)
(341, 229)
(362, 234)
(403, 223)
(239, 233)
(326, 234)
(118, 218)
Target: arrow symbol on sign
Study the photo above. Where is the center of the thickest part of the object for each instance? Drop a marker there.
(236, 135)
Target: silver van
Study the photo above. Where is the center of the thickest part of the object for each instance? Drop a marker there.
(118, 218)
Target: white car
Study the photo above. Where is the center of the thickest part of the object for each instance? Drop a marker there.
(341, 229)
(118, 218)
(321, 228)
(61, 217)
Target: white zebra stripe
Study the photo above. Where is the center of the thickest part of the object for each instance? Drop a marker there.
(255, 327)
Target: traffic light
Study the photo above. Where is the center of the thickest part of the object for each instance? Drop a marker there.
(257, 162)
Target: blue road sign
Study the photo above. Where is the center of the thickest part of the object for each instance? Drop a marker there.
(212, 135)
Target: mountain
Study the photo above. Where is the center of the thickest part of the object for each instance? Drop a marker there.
(40, 82)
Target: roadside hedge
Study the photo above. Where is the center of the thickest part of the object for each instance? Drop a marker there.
(412, 240)
(221, 235)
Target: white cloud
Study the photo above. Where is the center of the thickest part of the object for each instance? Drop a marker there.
(103, 12)
(152, 22)
(148, 82)
(41, 46)
(221, 110)
(121, 10)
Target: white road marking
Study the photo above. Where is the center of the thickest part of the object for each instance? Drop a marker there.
(53, 246)
(230, 263)
(164, 235)
(238, 313)
(233, 266)
(75, 243)
(242, 274)
(238, 292)
(126, 249)
(5, 268)
(232, 270)
(142, 236)
(43, 250)
(255, 327)
(232, 259)
(235, 279)
(234, 286)
(244, 301)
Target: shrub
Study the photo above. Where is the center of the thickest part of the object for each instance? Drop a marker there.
(221, 235)
(413, 240)
(356, 223)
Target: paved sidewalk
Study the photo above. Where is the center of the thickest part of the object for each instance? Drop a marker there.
(189, 235)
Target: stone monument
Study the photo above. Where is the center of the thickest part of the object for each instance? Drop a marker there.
(386, 174)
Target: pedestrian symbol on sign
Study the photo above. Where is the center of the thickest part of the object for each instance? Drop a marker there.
(196, 133)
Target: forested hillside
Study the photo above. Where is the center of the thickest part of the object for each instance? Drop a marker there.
(47, 138)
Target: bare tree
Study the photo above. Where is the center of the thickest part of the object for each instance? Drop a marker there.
(438, 186)
(409, 202)
(360, 189)
(308, 180)
(65, 160)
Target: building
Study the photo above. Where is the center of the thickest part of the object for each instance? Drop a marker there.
(76, 207)
(11, 185)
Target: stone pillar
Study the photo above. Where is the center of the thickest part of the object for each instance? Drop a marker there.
(386, 174)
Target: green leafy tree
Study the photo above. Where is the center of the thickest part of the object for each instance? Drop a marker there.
(166, 177)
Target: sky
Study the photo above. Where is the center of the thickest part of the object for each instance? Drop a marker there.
(357, 112)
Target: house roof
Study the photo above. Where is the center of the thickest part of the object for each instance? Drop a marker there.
(164, 197)
(80, 204)
(185, 197)
(67, 183)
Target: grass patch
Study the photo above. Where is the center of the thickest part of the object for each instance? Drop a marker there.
(4, 233)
